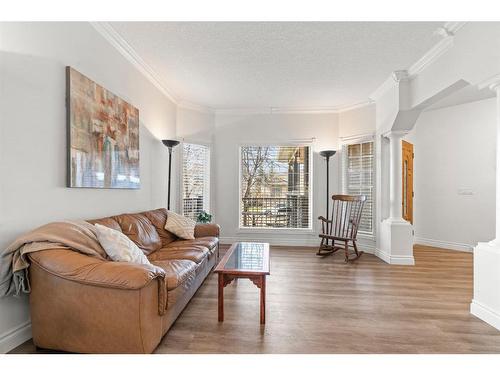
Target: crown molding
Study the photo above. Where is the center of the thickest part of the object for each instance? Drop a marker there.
(275, 110)
(305, 110)
(334, 109)
(432, 55)
(400, 75)
(389, 83)
(127, 51)
(395, 134)
(244, 111)
(356, 106)
(495, 87)
(195, 107)
(454, 26)
(292, 110)
(447, 32)
(493, 83)
(357, 137)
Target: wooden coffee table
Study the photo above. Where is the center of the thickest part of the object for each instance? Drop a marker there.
(244, 260)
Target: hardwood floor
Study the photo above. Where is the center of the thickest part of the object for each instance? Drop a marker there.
(321, 305)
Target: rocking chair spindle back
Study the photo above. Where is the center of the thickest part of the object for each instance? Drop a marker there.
(342, 225)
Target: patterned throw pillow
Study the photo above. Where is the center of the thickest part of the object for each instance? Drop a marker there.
(179, 225)
(118, 246)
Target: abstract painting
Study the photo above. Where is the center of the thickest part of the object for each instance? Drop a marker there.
(103, 136)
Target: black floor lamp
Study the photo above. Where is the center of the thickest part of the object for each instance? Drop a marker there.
(170, 143)
(327, 154)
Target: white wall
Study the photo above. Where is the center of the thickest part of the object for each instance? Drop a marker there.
(33, 57)
(357, 122)
(235, 130)
(455, 149)
(197, 126)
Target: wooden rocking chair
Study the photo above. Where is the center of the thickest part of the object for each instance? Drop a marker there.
(342, 226)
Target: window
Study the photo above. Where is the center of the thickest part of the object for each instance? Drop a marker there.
(359, 168)
(274, 186)
(195, 179)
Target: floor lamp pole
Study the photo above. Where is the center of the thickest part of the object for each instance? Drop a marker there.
(169, 175)
(170, 143)
(327, 186)
(327, 154)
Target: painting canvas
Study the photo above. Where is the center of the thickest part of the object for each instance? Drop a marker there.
(103, 133)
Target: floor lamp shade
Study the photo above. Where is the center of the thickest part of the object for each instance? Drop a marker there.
(170, 143)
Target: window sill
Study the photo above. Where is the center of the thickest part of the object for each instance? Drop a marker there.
(243, 230)
(366, 236)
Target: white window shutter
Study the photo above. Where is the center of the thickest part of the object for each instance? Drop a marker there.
(195, 179)
(358, 166)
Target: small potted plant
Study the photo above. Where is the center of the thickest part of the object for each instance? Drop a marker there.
(204, 217)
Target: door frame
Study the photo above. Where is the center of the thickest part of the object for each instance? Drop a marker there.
(408, 154)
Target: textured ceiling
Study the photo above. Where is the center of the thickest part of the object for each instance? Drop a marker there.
(277, 64)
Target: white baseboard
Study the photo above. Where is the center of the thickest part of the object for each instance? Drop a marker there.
(15, 337)
(285, 241)
(444, 244)
(383, 255)
(485, 313)
(395, 259)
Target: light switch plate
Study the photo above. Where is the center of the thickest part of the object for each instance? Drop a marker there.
(465, 191)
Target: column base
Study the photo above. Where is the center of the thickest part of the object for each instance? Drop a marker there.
(486, 302)
(396, 242)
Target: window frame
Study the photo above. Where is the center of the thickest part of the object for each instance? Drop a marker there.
(209, 198)
(310, 229)
(343, 174)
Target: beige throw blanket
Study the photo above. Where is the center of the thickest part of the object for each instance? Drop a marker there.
(78, 236)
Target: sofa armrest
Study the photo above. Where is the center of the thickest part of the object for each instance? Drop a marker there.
(206, 230)
(84, 269)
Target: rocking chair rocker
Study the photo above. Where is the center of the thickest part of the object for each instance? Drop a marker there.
(343, 225)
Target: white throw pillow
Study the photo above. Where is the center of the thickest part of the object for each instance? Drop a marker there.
(118, 246)
(179, 225)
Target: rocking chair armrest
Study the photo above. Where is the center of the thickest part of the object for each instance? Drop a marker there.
(322, 218)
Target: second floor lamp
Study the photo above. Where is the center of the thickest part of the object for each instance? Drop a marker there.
(170, 143)
(327, 154)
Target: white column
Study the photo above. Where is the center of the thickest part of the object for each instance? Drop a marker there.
(396, 235)
(486, 302)
(396, 175)
(496, 87)
(395, 183)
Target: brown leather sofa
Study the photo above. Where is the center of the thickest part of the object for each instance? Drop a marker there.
(87, 305)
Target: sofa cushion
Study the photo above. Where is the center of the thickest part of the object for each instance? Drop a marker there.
(84, 269)
(107, 222)
(193, 253)
(118, 246)
(158, 218)
(177, 271)
(140, 230)
(180, 225)
(206, 230)
(209, 242)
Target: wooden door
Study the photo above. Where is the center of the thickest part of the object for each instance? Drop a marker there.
(407, 203)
